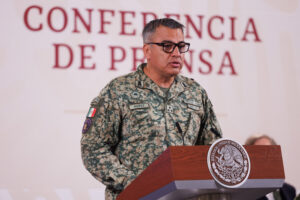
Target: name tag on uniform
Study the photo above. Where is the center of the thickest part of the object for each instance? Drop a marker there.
(138, 106)
(192, 105)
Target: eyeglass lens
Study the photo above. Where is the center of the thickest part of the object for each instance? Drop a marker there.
(170, 47)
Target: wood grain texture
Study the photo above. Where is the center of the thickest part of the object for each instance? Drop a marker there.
(190, 163)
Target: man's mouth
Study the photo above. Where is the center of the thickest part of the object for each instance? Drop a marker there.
(175, 64)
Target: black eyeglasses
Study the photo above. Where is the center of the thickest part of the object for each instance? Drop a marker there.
(169, 47)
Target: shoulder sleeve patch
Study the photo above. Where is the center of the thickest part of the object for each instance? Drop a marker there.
(87, 124)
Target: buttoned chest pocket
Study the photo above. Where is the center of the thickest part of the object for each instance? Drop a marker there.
(137, 122)
(184, 110)
(139, 113)
(193, 108)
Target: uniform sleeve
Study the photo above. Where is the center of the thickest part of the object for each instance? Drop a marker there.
(100, 136)
(210, 129)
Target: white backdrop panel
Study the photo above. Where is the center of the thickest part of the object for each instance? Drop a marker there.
(245, 53)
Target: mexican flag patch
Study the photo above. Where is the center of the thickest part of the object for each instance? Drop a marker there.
(91, 112)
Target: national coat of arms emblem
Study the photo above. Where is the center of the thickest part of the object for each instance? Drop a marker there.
(228, 163)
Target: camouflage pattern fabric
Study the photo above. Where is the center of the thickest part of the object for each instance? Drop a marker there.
(135, 122)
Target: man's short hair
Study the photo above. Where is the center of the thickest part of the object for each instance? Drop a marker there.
(151, 27)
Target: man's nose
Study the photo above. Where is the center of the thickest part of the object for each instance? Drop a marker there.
(176, 51)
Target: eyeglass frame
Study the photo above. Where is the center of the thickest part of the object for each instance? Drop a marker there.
(162, 44)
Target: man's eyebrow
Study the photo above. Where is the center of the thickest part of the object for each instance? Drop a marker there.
(168, 41)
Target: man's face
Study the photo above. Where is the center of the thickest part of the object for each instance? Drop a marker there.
(160, 62)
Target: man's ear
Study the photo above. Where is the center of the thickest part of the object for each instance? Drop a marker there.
(147, 51)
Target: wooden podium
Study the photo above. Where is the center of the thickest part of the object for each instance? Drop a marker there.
(182, 173)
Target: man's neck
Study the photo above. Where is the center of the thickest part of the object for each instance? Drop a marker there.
(160, 80)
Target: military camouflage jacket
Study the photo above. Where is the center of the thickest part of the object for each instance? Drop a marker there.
(133, 121)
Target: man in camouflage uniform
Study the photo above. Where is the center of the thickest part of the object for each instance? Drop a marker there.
(138, 116)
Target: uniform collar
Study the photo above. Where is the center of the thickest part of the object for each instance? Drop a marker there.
(144, 82)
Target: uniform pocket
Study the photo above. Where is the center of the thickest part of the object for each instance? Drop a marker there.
(137, 121)
(139, 113)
